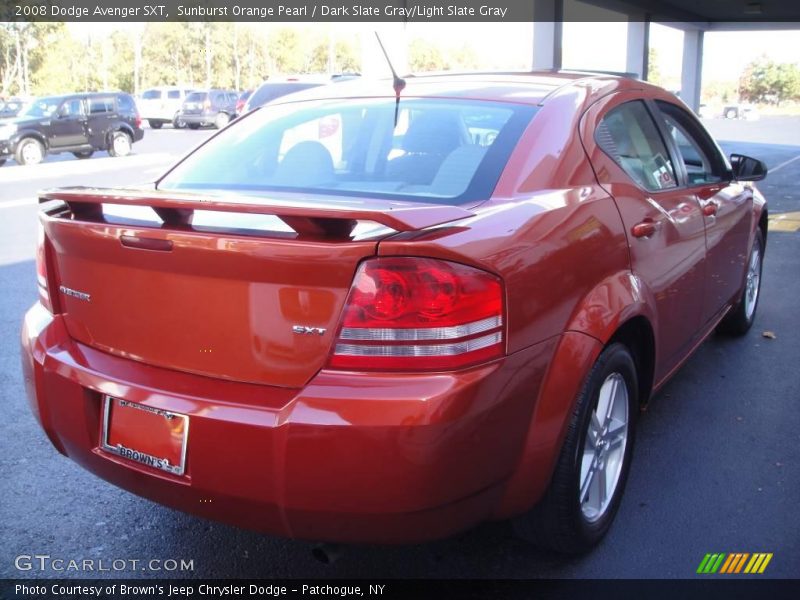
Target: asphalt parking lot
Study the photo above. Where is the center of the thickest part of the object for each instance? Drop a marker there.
(716, 467)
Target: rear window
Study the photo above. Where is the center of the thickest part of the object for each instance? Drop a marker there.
(446, 151)
(196, 97)
(151, 95)
(270, 91)
(126, 103)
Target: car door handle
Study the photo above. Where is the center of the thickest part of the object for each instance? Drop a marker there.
(710, 209)
(644, 229)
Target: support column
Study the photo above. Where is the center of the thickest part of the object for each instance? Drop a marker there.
(638, 48)
(692, 67)
(547, 33)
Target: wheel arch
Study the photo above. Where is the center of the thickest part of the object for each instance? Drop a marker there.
(637, 335)
(30, 133)
(123, 127)
(763, 225)
(616, 310)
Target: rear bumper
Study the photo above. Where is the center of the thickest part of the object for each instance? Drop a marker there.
(165, 116)
(349, 457)
(198, 119)
(138, 134)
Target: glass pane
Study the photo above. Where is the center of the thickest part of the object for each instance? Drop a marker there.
(439, 150)
(629, 135)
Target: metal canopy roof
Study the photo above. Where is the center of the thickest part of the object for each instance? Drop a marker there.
(711, 14)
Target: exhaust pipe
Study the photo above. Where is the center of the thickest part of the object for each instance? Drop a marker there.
(327, 554)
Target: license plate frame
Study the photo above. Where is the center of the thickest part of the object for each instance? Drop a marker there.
(138, 455)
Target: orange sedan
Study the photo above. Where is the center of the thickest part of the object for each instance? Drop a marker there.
(372, 315)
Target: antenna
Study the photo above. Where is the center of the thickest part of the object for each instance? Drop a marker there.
(398, 83)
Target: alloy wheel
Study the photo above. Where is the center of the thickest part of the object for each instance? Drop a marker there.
(753, 281)
(32, 153)
(604, 448)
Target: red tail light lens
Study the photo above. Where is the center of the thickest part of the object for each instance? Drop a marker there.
(41, 271)
(138, 121)
(407, 313)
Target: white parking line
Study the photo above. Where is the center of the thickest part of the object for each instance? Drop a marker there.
(784, 163)
(17, 202)
(54, 170)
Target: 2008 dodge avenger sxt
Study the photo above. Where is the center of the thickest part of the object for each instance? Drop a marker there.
(356, 315)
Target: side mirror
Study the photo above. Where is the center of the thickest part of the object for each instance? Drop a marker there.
(746, 168)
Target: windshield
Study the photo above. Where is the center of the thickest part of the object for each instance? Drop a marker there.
(42, 107)
(446, 151)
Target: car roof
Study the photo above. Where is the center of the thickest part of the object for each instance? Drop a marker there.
(519, 87)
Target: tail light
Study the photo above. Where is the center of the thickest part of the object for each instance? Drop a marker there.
(207, 104)
(41, 271)
(405, 313)
(138, 121)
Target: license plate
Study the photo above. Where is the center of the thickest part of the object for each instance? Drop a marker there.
(150, 436)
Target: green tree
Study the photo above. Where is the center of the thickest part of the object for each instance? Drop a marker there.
(764, 80)
(345, 58)
(424, 55)
(286, 51)
(653, 67)
(24, 47)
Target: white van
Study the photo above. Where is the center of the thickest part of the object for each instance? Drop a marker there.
(161, 105)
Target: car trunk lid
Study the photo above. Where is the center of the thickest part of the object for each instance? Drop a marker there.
(253, 306)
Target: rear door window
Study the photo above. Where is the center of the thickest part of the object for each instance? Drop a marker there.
(101, 105)
(629, 135)
(126, 103)
(702, 160)
(151, 95)
(73, 108)
(174, 94)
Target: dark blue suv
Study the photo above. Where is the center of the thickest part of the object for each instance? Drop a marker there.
(76, 123)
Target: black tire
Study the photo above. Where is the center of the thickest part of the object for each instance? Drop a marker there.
(178, 123)
(560, 521)
(194, 125)
(120, 144)
(740, 318)
(155, 124)
(29, 152)
(82, 155)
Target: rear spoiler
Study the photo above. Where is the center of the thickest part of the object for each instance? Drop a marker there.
(325, 216)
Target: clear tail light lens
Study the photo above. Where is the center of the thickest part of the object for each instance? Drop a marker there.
(41, 270)
(406, 313)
